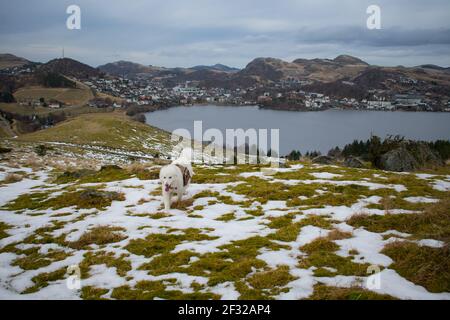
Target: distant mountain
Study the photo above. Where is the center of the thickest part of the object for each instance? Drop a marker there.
(266, 69)
(8, 60)
(433, 67)
(216, 67)
(344, 74)
(69, 67)
(349, 60)
(132, 69)
(127, 68)
(272, 69)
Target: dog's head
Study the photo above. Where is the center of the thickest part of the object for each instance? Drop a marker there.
(167, 177)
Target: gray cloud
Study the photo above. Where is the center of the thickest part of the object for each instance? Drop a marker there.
(380, 38)
(184, 33)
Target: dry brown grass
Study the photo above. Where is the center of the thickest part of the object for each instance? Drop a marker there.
(136, 167)
(432, 223)
(143, 170)
(324, 292)
(99, 235)
(425, 266)
(337, 234)
(183, 204)
(12, 178)
(142, 201)
(33, 162)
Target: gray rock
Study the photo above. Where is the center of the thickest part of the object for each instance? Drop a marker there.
(353, 162)
(424, 155)
(399, 160)
(323, 160)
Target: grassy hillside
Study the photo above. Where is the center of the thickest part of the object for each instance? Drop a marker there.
(8, 61)
(110, 130)
(18, 109)
(71, 96)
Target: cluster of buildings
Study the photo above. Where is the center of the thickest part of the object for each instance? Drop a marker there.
(407, 101)
(138, 92)
(145, 92)
(41, 102)
(18, 70)
(285, 94)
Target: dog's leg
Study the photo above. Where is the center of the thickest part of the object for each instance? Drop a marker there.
(166, 200)
(179, 196)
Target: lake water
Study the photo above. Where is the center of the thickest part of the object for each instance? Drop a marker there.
(307, 131)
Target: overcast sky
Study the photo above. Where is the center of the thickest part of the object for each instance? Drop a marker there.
(190, 32)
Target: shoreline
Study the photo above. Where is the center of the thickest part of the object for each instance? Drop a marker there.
(291, 110)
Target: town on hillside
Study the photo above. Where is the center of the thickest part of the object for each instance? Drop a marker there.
(424, 88)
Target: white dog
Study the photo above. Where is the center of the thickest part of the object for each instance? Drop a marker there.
(175, 177)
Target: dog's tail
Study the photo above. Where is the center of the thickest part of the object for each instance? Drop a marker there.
(186, 155)
(185, 159)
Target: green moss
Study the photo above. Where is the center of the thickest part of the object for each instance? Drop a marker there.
(265, 284)
(321, 245)
(93, 293)
(35, 260)
(415, 187)
(3, 228)
(149, 290)
(234, 262)
(84, 199)
(289, 231)
(425, 266)
(147, 174)
(226, 217)
(168, 262)
(347, 174)
(324, 292)
(220, 198)
(99, 235)
(157, 215)
(195, 216)
(223, 174)
(121, 264)
(281, 222)
(246, 218)
(255, 212)
(44, 234)
(336, 195)
(160, 243)
(41, 280)
(397, 202)
(433, 223)
(320, 254)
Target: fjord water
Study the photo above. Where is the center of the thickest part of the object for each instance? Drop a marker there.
(306, 131)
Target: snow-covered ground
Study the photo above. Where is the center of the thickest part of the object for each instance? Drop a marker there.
(206, 215)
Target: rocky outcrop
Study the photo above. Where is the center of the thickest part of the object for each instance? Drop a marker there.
(409, 157)
(353, 162)
(323, 160)
(398, 159)
(424, 155)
